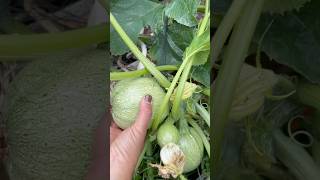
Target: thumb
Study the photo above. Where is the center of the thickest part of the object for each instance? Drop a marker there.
(127, 147)
(142, 122)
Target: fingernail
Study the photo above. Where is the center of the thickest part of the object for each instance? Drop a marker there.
(148, 98)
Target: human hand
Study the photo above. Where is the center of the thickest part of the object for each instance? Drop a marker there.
(127, 145)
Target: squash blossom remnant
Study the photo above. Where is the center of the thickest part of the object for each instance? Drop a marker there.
(173, 160)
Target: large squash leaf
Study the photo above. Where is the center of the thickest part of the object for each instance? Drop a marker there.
(133, 15)
(294, 40)
(201, 73)
(183, 11)
(170, 45)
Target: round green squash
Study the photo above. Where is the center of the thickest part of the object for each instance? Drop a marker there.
(167, 133)
(191, 145)
(53, 108)
(126, 97)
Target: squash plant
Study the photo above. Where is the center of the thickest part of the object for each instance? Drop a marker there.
(265, 54)
(174, 37)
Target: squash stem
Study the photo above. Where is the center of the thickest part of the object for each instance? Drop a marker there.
(207, 6)
(295, 157)
(189, 58)
(158, 119)
(225, 27)
(17, 45)
(163, 81)
(203, 113)
(201, 134)
(178, 98)
(229, 72)
(149, 154)
(115, 76)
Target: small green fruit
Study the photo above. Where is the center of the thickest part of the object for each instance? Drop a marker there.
(167, 133)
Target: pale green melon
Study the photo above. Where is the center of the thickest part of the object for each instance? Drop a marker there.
(126, 97)
(192, 147)
(53, 108)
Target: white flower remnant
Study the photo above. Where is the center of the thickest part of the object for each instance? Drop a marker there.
(173, 160)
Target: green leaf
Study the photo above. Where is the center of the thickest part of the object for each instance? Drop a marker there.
(169, 48)
(294, 40)
(181, 35)
(202, 74)
(133, 15)
(183, 11)
(162, 52)
(199, 48)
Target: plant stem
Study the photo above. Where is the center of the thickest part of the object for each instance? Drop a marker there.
(258, 54)
(158, 119)
(204, 24)
(225, 27)
(189, 59)
(201, 134)
(149, 153)
(207, 6)
(163, 81)
(229, 72)
(295, 157)
(178, 98)
(203, 113)
(114, 76)
(28, 45)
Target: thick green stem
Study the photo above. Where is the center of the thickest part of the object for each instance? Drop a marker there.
(203, 113)
(149, 154)
(201, 134)
(207, 6)
(225, 27)
(295, 157)
(230, 70)
(163, 81)
(204, 24)
(159, 115)
(189, 59)
(27, 45)
(178, 97)
(115, 76)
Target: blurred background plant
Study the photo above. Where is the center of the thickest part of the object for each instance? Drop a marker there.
(32, 17)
